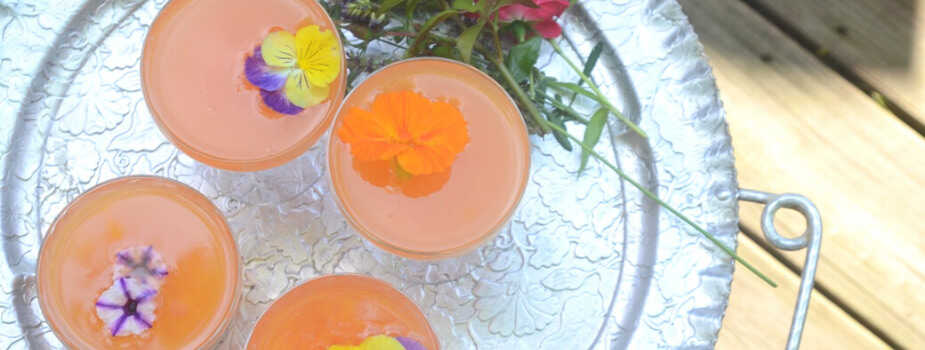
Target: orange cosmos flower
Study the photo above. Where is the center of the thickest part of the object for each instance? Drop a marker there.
(423, 136)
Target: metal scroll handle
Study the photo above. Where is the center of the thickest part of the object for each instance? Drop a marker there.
(811, 239)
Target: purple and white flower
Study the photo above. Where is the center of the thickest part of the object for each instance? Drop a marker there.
(142, 263)
(127, 307)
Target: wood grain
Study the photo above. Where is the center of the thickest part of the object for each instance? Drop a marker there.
(758, 317)
(882, 41)
(799, 127)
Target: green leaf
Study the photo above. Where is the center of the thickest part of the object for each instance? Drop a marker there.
(574, 88)
(444, 51)
(388, 5)
(522, 58)
(482, 6)
(425, 29)
(592, 135)
(561, 139)
(409, 12)
(566, 111)
(465, 5)
(467, 39)
(555, 117)
(592, 60)
(519, 28)
(542, 81)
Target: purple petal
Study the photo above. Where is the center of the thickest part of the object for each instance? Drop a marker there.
(277, 101)
(125, 289)
(410, 344)
(125, 258)
(147, 294)
(142, 263)
(118, 326)
(142, 321)
(263, 76)
(108, 305)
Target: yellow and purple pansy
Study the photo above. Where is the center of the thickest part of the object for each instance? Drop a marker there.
(383, 342)
(295, 71)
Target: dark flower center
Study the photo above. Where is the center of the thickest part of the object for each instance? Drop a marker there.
(130, 307)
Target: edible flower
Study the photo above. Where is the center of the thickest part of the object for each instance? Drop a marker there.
(542, 18)
(422, 136)
(388, 174)
(142, 263)
(127, 307)
(383, 342)
(295, 71)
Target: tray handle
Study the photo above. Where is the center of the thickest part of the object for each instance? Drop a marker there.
(810, 239)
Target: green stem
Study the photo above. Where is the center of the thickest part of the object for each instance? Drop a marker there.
(532, 85)
(662, 203)
(532, 111)
(565, 109)
(445, 40)
(494, 32)
(597, 91)
(425, 31)
(459, 22)
(524, 99)
(581, 60)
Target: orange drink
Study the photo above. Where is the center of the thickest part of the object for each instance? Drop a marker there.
(139, 263)
(196, 79)
(463, 136)
(341, 310)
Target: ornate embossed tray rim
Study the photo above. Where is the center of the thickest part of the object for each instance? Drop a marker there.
(72, 116)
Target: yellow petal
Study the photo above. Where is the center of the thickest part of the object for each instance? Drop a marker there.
(319, 55)
(381, 342)
(279, 49)
(301, 93)
(343, 347)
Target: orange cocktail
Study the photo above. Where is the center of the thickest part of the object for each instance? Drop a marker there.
(139, 263)
(340, 310)
(195, 75)
(470, 173)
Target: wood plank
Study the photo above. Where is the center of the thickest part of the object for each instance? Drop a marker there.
(758, 317)
(882, 41)
(799, 127)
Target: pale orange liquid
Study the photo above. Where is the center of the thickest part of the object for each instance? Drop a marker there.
(199, 294)
(339, 310)
(485, 182)
(194, 83)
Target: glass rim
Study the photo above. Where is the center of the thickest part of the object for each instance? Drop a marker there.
(259, 163)
(367, 278)
(458, 250)
(237, 273)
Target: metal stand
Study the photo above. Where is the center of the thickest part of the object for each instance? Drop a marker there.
(811, 239)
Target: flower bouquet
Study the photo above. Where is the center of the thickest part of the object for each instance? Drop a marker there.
(502, 38)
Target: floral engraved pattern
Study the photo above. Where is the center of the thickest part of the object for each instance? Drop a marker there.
(582, 256)
(515, 307)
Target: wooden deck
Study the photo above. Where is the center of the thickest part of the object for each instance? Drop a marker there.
(827, 98)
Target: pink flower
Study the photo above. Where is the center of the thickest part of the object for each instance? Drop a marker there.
(542, 18)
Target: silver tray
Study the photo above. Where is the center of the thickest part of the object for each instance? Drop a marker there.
(586, 262)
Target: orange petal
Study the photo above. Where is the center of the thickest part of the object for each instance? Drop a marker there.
(370, 138)
(423, 185)
(377, 172)
(424, 136)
